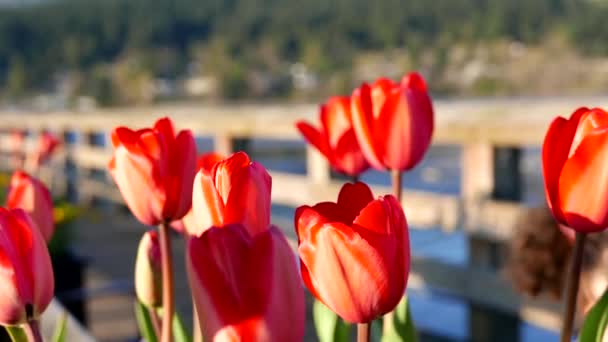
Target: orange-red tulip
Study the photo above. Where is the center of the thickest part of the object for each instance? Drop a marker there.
(393, 122)
(31, 195)
(205, 161)
(26, 274)
(336, 138)
(154, 169)
(246, 288)
(355, 254)
(236, 190)
(575, 160)
(148, 276)
(47, 144)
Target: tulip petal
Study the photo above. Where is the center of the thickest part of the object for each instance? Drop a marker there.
(224, 170)
(207, 205)
(208, 160)
(353, 197)
(347, 155)
(363, 124)
(133, 175)
(402, 132)
(246, 288)
(381, 89)
(590, 121)
(179, 182)
(249, 202)
(554, 154)
(583, 185)
(359, 273)
(26, 274)
(335, 118)
(314, 137)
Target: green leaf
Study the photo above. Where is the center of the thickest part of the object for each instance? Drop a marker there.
(144, 322)
(179, 331)
(16, 333)
(596, 321)
(61, 329)
(330, 327)
(400, 327)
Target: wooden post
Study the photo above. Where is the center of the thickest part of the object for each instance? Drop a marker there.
(223, 144)
(489, 173)
(317, 167)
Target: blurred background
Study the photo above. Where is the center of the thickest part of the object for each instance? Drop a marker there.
(74, 53)
(239, 73)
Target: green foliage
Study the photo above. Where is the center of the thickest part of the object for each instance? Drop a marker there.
(180, 334)
(402, 327)
(330, 327)
(16, 333)
(39, 40)
(61, 330)
(594, 327)
(144, 323)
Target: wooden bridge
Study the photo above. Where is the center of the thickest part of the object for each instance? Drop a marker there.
(490, 133)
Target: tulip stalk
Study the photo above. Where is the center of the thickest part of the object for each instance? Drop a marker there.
(32, 331)
(574, 275)
(363, 332)
(167, 273)
(396, 182)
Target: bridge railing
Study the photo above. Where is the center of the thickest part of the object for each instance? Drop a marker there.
(491, 135)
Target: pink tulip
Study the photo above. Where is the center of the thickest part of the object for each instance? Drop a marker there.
(154, 169)
(393, 122)
(26, 274)
(31, 195)
(148, 277)
(246, 288)
(236, 190)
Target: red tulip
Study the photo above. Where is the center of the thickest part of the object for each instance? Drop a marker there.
(26, 274)
(205, 161)
(575, 155)
(355, 254)
(246, 288)
(154, 170)
(32, 195)
(236, 190)
(393, 123)
(47, 144)
(148, 276)
(336, 138)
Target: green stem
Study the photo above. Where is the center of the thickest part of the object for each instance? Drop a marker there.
(167, 273)
(574, 275)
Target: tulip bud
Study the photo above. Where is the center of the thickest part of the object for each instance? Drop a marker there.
(31, 195)
(148, 276)
(26, 275)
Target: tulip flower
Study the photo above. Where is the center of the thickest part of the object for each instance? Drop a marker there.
(393, 122)
(246, 288)
(336, 138)
(148, 277)
(205, 161)
(575, 155)
(47, 144)
(17, 147)
(26, 274)
(154, 169)
(31, 195)
(354, 254)
(236, 190)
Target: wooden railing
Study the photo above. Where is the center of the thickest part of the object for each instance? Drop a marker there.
(491, 134)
